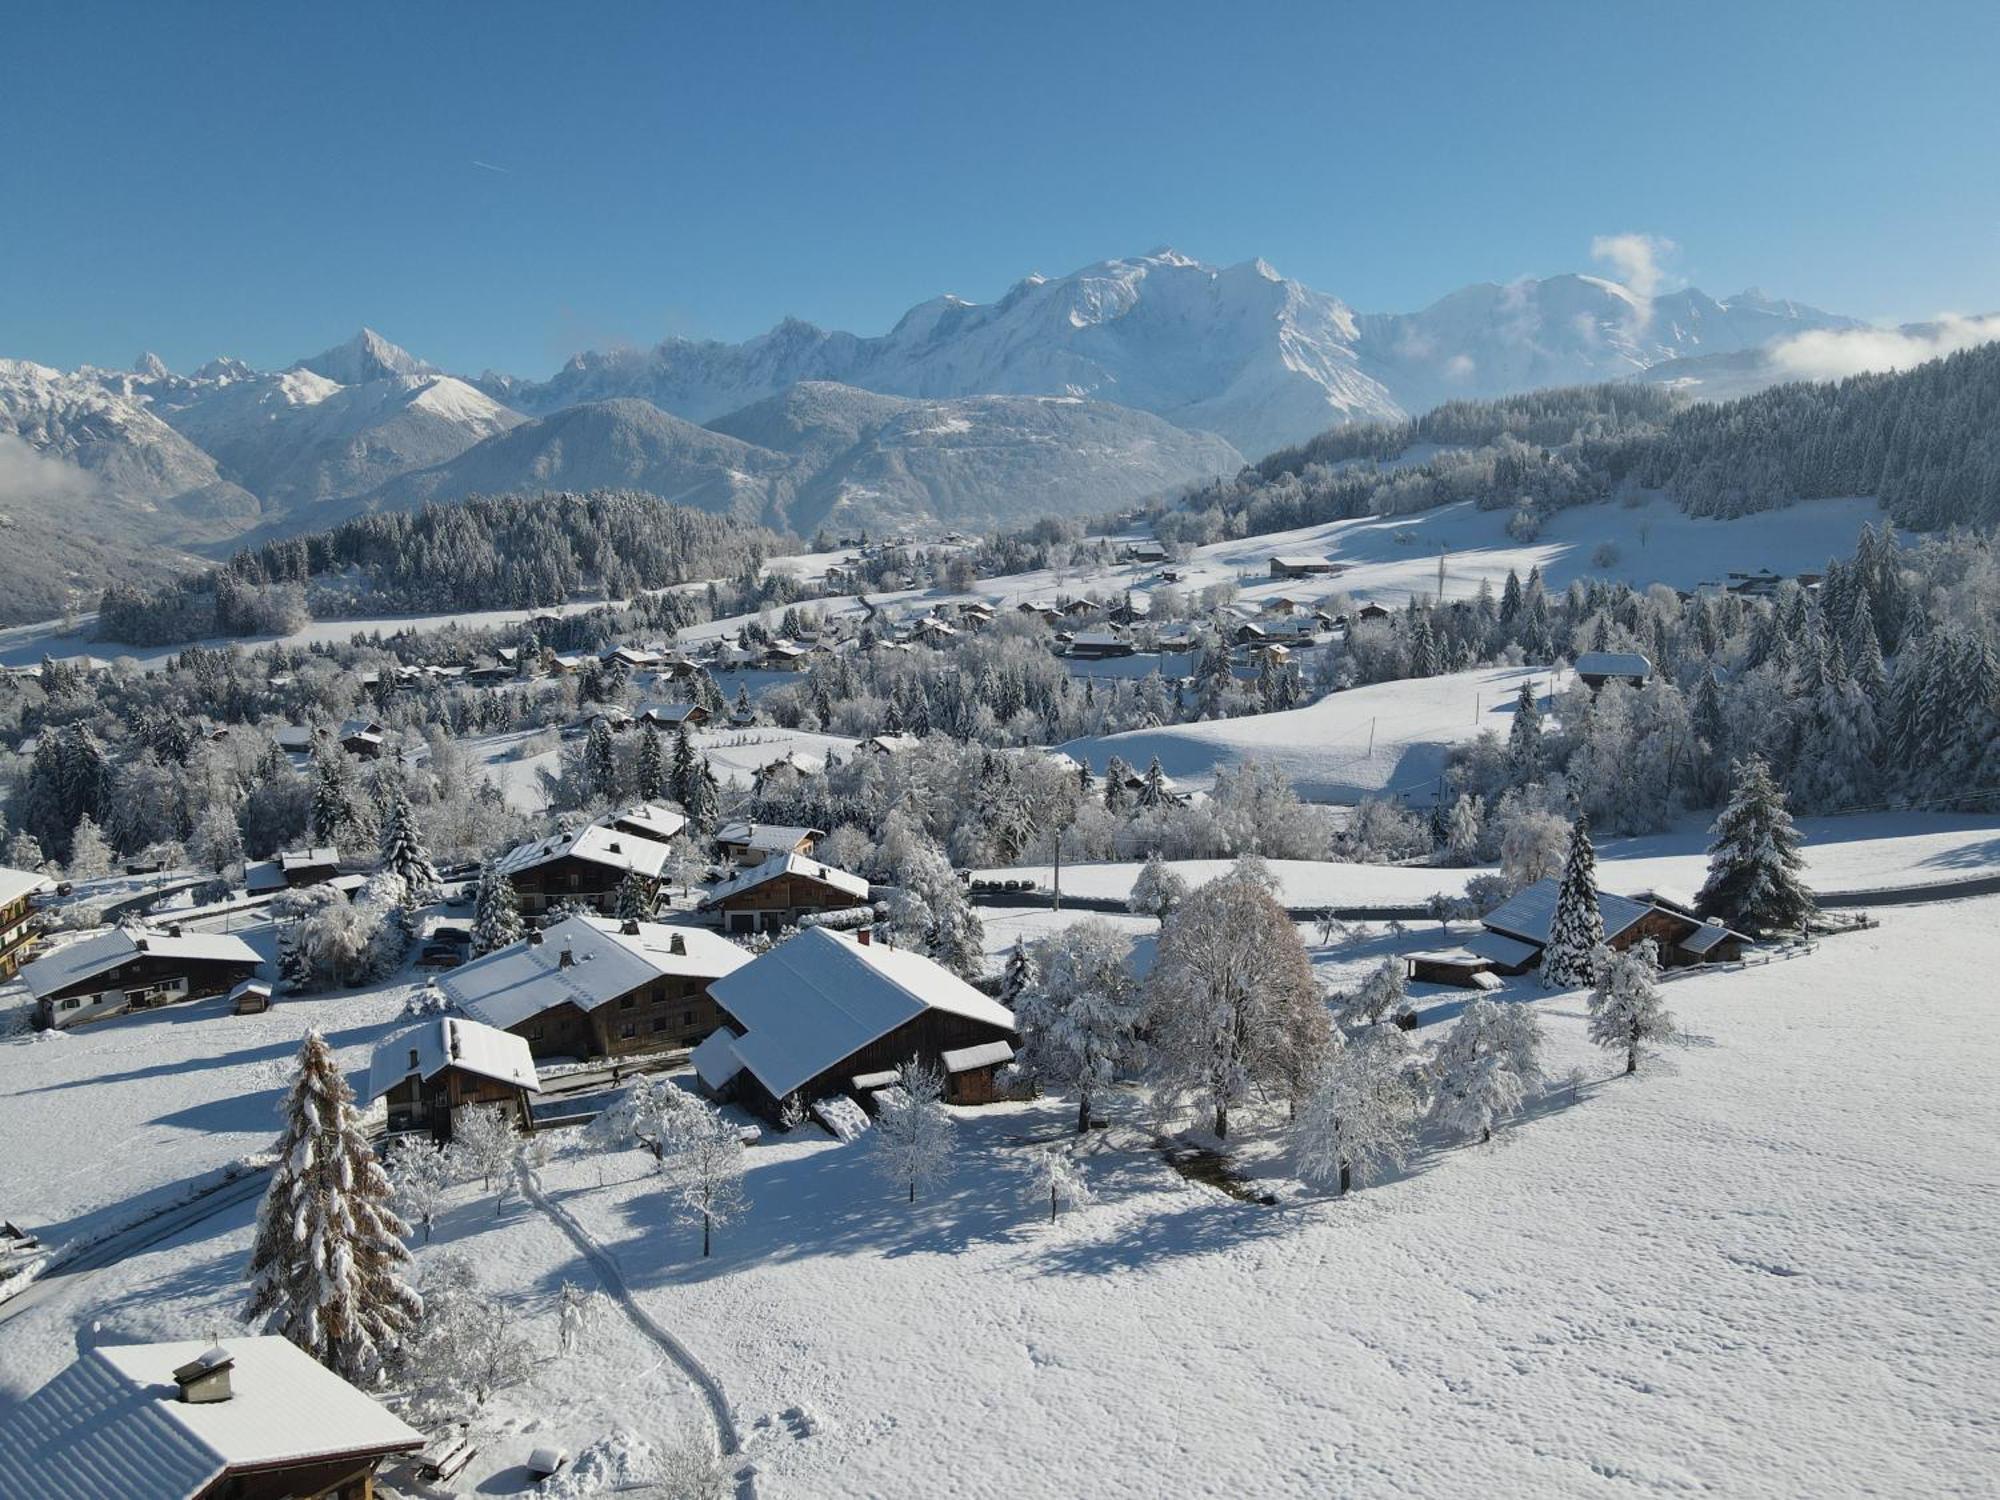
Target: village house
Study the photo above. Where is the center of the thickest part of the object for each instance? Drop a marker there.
(587, 987)
(889, 744)
(427, 1075)
(586, 867)
(130, 968)
(776, 893)
(1145, 552)
(292, 871)
(648, 820)
(673, 715)
(1518, 930)
(748, 844)
(823, 1010)
(364, 738)
(1595, 668)
(17, 915)
(1096, 645)
(256, 1418)
(1302, 565)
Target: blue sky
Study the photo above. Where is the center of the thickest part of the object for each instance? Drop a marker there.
(262, 179)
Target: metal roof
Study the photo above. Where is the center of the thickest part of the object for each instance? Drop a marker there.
(452, 1043)
(96, 955)
(524, 979)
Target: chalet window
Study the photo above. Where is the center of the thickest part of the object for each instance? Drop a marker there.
(687, 1018)
(71, 1002)
(626, 1002)
(628, 1030)
(659, 1023)
(535, 1033)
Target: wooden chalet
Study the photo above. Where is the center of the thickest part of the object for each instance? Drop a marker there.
(1595, 668)
(587, 987)
(292, 870)
(775, 894)
(647, 820)
(132, 968)
(17, 915)
(1096, 645)
(1302, 565)
(673, 715)
(363, 738)
(256, 1418)
(429, 1074)
(586, 867)
(749, 844)
(823, 1010)
(1524, 921)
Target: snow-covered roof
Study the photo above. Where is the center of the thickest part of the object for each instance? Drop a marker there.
(868, 1082)
(1707, 936)
(1613, 664)
(79, 961)
(450, 1042)
(113, 1423)
(776, 837)
(1498, 948)
(14, 884)
(524, 979)
(1532, 911)
(1445, 956)
(1301, 560)
(648, 820)
(821, 997)
(594, 845)
(984, 1055)
(890, 744)
(715, 1060)
(791, 862)
(309, 859)
(672, 713)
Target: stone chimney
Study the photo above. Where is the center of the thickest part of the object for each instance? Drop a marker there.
(534, 937)
(566, 958)
(677, 944)
(864, 935)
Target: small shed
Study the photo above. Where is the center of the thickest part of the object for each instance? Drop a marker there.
(969, 1071)
(250, 998)
(1460, 967)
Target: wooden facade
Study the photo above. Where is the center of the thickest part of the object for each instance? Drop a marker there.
(428, 1103)
(145, 979)
(925, 1036)
(17, 932)
(779, 902)
(582, 881)
(670, 1012)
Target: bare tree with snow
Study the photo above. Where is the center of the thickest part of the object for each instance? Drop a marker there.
(1053, 1173)
(326, 1267)
(1157, 891)
(650, 1112)
(419, 1173)
(1486, 1067)
(703, 1170)
(1079, 1019)
(466, 1345)
(1359, 1114)
(912, 1133)
(1383, 995)
(1625, 1009)
(483, 1143)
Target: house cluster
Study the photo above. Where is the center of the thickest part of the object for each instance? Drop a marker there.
(1517, 932)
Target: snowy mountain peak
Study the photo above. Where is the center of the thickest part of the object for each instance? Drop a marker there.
(151, 366)
(365, 357)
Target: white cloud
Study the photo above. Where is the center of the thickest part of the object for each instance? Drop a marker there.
(1636, 259)
(29, 477)
(1831, 354)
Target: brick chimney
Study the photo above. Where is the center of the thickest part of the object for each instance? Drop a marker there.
(864, 935)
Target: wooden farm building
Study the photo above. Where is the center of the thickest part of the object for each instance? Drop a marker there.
(129, 968)
(1301, 565)
(586, 867)
(823, 1009)
(588, 987)
(17, 914)
(429, 1074)
(1525, 919)
(1595, 668)
(782, 889)
(749, 844)
(254, 1419)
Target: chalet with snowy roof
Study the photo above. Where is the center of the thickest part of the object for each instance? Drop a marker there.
(785, 887)
(673, 715)
(292, 870)
(750, 844)
(1302, 565)
(823, 1009)
(586, 867)
(131, 968)
(587, 987)
(18, 889)
(1096, 645)
(1145, 552)
(889, 744)
(365, 738)
(1518, 930)
(1369, 612)
(427, 1075)
(254, 1418)
(648, 820)
(1595, 668)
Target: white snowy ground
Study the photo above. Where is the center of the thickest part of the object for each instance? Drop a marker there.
(1855, 852)
(1762, 1268)
(734, 754)
(1387, 737)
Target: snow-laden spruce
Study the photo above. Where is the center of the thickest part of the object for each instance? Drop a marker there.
(1577, 931)
(496, 912)
(931, 909)
(1486, 1067)
(1231, 1003)
(1754, 862)
(1625, 1010)
(1079, 1021)
(326, 1268)
(403, 851)
(912, 1138)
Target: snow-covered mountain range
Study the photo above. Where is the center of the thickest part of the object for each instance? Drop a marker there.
(1067, 395)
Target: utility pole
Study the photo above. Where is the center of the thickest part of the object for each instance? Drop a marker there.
(1441, 557)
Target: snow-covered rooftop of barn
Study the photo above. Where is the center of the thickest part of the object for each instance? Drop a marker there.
(714, 1058)
(1531, 911)
(524, 979)
(1613, 664)
(984, 1055)
(593, 844)
(112, 1424)
(791, 862)
(773, 836)
(1497, 947)
(821, 997)
(648, 819)
(79, 961)
(1707, 936)
(452, 1043)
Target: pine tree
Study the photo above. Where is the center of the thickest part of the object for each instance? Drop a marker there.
(600, 761)
(1153, 786)
(652, 766)
(703, 804)
(1524, 736)
(635, 898)
(687, 768)
(1020, 973)
(325, 1270)
(1625, 1009)
(1754, 861)
(334, 811)
(1577, 930)
(403, 851)
(496, 919)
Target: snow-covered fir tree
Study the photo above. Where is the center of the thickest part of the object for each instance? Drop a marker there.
(1019, 975)
(403, 851)
(496, 912)
(932, 910)
(1754, 860)
(912, 1134)
(650, 768)
(1153, 786)
(326, 1269)
(336, 805)
(600, 761)
(1625, 1009)
(1079, 1022)
(89, 853)
(635, 898)
(1576, 931)
(687, 766)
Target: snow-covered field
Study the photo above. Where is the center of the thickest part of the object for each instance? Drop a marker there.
(1389, 737)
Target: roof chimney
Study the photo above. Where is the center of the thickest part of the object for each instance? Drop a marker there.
(534, 937)
(205, 1378)
(630, 927)
(567, 957)
(677, 944)
(864, 935)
